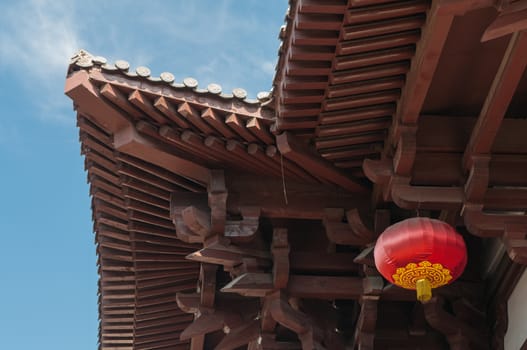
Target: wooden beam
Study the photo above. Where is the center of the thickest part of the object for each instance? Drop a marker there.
(295, 151)
(129, 141)
(163, 105)
(183, 232)
(501, 92)
(294, 320)
(228, 255)
(460, 335)
(139, 99)
(319, 262)
(357, 224)
(280, 251)
(194, 117)
(424, 63)
(512, 19)
(305, 201)
(314, 287)
(245, 229)
(366, 324)
(378, 171)
(325, 287)
(268, 341)
(89, 101)
(198, 221)
(459, 8)
(490, 224)
(207, 277)
(217, 198)
(251, 285)
(240, 336)
(188, 302)
(365, 257)
(197, 342)
(427, 197)
(204, 324)
(354, 232)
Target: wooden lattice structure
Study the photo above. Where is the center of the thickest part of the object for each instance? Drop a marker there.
(228, 223)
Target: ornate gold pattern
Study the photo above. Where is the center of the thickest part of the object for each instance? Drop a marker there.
(408, 276)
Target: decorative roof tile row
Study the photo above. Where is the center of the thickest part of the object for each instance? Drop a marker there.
(85, 60)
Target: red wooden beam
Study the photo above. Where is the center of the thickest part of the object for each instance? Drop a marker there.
(294, 150)
(315, 287)
(512, 19)
(501, 92)
(424, 63)
(89, 101)
(129, 141)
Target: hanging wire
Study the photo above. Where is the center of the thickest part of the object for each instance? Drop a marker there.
(283, 178)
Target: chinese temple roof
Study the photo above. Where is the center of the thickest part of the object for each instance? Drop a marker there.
(380, 110)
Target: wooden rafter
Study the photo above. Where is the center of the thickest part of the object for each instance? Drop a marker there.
(512, 18)
(88, 99)
(424, 64)
(501, 92)
(129, 141)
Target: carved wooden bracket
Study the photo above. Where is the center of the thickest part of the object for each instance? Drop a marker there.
(195, 202)
(366, 324)
(201, 304)
(226, 314)
(280, 252)
(205, 323)
(197, 217)
(240, 336)
(352, 232)
(281, 311)
(460, 334)
(248, 265)
(207, 278)
(512, 228)
(245, 229)
(217, 198)
(478, 179)
(221, 252)
(406, 196)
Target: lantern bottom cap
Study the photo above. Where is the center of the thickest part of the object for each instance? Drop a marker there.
(424, 290)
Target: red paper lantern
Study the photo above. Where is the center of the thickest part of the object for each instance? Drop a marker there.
(421, 254)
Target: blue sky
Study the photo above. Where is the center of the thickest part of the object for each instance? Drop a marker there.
(48, 280)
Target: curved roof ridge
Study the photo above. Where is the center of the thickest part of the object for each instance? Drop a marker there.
(85, 60)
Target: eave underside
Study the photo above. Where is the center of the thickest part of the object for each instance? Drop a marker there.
(409, 87)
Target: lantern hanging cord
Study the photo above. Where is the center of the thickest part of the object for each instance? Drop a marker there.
(283, 177)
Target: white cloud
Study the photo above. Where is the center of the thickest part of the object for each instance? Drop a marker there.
(208, 39)
(39, 37)
(36, 39)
